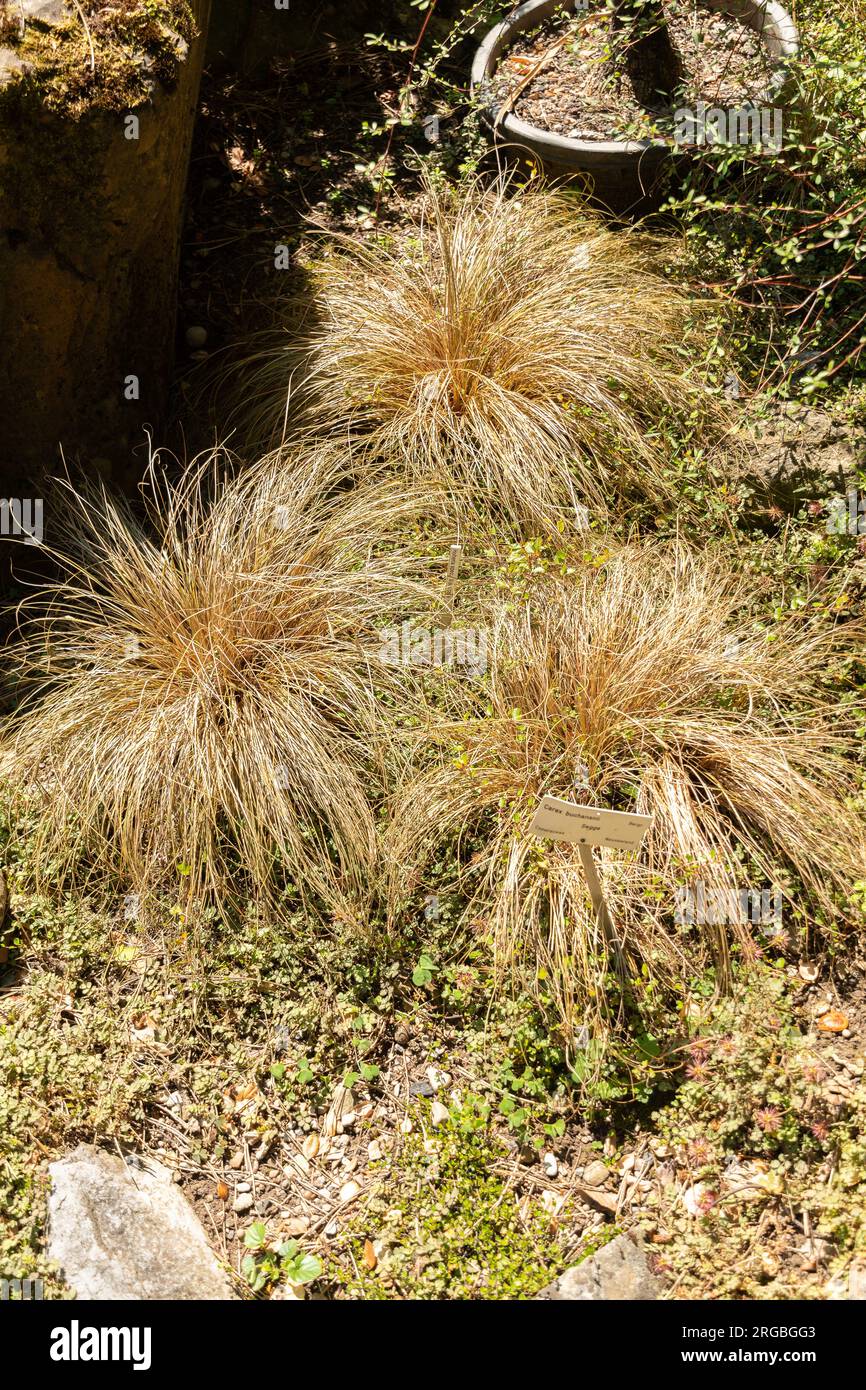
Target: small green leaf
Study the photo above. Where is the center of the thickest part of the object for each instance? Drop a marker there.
(303, 1269)
(255, 1236)
(423, 972)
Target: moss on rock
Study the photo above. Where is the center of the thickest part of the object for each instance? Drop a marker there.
(107, 56)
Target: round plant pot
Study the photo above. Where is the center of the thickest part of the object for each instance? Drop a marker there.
(622, 176)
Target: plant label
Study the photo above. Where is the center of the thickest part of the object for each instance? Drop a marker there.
(555, 819)
(454, 556)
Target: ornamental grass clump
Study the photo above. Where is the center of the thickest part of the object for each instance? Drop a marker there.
(513, 347)
(204, 704)
(639, 682)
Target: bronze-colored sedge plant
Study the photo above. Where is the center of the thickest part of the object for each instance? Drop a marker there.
(638, 682)
(512, 346)
(203, 694)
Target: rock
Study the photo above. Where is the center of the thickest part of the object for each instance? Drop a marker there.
(46, 12)
(617, 1271)
(697, 1199)
(802, 445)
(421, 1088)
(243, 1202)
(602, 1201)
(10, 64)
(121, 1229)
(595, 1173)
(439, 1113)
(551, 1167)
(744, 1182)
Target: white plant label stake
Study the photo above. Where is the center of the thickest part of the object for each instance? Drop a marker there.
(586, 826)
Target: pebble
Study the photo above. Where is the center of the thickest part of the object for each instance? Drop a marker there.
(331, 1229)
(438, 1079)
(551, 1167)
(439, 1113)
(595, 1173)
(242, 1203)
(244, 1187)
(349, 1191)
(196, 336)
(421, 1088)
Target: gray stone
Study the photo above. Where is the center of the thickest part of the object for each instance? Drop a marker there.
(122, 1229)
(10, 65)
(46, 11)
(803, 447)
(617, 1271)
(596, 1173)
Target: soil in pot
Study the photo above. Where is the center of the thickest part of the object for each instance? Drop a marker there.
(561, 77)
